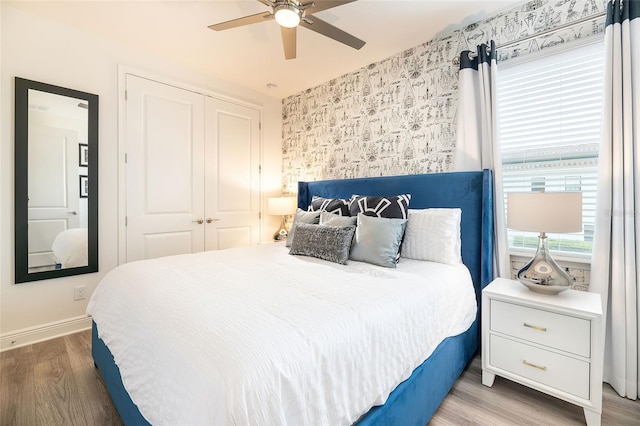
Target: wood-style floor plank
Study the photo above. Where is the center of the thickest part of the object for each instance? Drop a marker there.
(17, 387)
(57, 398)
(55, 382)
(91, 391)
(511, 404)
(48, 350)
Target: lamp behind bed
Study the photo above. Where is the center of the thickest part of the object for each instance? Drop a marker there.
(281, 206)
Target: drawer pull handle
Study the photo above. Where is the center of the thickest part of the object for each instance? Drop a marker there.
(524, 361)
(535, 327)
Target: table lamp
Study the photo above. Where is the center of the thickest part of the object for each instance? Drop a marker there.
(543, 212)
(282, 206)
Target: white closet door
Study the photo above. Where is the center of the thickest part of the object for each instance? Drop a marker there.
(164, 170)
(232, 186)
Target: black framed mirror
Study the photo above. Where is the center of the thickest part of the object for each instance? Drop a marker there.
(56, 181)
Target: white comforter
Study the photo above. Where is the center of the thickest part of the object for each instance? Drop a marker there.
(256, 336)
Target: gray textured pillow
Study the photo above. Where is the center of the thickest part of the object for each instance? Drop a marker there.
(377, 240)
(330, 243)
(301, 217)
(333, 219)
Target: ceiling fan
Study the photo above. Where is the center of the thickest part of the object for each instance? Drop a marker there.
(291, 13)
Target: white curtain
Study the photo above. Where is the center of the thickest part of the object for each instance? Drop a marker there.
(477, 136)
(615, 269)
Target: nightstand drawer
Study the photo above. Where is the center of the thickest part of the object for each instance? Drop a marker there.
(555, 330)
(558, 371)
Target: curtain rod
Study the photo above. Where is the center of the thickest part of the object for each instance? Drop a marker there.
(456, 60)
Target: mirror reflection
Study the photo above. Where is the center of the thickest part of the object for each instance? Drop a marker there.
(58, 154)
(56, 206)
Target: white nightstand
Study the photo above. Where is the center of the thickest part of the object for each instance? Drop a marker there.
(552, 343)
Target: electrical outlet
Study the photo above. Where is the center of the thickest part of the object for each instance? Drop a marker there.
(78, 293)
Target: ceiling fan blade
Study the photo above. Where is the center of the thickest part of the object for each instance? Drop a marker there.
(289, 38)
(251, 19)
(319, 5)
(326, 29)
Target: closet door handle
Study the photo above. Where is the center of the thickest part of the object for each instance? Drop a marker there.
(198, 221)
(209, 220)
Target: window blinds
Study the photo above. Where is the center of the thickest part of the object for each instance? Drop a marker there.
(549, 115)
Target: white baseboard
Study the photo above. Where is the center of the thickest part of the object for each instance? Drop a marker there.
(39, 333)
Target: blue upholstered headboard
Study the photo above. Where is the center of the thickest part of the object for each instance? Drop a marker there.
(470, 191)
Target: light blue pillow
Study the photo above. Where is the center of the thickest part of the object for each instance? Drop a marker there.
(301, 217)
(377, 240)
(333, 219)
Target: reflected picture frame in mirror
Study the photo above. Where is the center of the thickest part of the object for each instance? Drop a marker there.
(56, 162)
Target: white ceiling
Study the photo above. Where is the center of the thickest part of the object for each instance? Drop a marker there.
(57, 104)
(252, 56)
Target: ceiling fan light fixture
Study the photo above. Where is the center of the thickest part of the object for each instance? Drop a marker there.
(287, 15)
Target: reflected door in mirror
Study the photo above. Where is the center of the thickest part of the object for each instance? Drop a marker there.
(54, 199)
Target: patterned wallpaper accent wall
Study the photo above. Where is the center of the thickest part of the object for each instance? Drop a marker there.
(397, 116)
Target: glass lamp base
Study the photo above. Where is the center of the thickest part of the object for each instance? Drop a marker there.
(281, 234)
(542, 274)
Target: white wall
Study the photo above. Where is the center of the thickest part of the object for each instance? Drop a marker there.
(39, 49)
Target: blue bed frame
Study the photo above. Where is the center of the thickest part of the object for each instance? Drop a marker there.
(416, 399)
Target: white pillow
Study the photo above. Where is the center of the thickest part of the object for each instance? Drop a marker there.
(433, 234)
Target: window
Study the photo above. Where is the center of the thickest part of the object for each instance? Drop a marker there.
(549, 115)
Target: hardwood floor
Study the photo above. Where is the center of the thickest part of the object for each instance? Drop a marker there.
(509, 403)
(55, 383)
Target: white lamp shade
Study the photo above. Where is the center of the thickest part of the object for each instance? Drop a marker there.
(545, 211)
(282, 205)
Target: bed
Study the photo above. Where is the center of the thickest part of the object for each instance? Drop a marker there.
(412, 401)
(70, 248)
